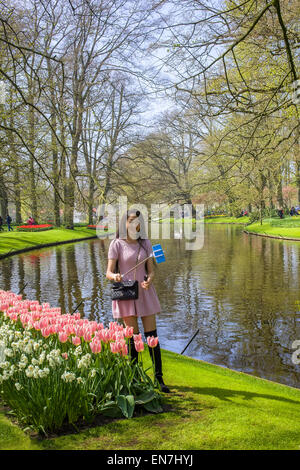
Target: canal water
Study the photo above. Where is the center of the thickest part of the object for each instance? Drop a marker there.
(240, 291)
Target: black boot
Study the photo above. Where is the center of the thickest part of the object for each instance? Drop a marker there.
(155, 355)
(133, 356)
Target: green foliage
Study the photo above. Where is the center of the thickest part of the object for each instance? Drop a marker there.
(253, 217)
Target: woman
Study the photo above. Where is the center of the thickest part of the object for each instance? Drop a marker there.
(126, 251)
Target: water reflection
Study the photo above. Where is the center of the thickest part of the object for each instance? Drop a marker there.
(239, 290)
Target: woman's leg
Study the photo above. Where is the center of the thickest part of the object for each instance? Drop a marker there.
(149, 324)
(133, 322)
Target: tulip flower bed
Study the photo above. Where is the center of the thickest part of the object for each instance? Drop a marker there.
(34, 228)
(60, 369)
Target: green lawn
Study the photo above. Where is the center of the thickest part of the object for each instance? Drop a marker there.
(287, 227)
(14, 241)
(210, 407)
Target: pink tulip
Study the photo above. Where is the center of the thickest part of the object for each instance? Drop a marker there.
(46, 331)
(76, 340)
(114, 348)
(117, 347)
(152, 342)
(93, 326)
(58, 328)
(63, 337)
(79, 330)
(44, 322)
(139, 346)
(119, 336)
(128, 332)
(95, 346)
(137, 337)
(37, 325)
(65, 355)
(87, 336)
(52, 329)
(105, 335)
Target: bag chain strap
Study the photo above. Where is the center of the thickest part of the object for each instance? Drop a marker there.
(137, 261)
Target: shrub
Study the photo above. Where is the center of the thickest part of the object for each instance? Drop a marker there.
(253, 217)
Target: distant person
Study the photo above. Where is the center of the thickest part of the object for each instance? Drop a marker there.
(280, 213)
(9, 221)
(31, 221)
(293, 211)
(1, 224)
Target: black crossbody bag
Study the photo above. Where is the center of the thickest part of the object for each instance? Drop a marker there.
(126, 290)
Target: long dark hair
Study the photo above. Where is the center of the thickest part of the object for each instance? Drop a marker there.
(142, 232)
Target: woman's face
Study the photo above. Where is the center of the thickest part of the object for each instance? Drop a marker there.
(133, 225)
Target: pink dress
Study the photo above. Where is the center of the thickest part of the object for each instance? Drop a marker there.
(126, 253)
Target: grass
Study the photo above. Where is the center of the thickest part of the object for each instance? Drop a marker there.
(210, 407)
(14, 241)
(287, 227)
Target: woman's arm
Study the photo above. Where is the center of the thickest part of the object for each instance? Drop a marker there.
(110, 274)
(150, 269)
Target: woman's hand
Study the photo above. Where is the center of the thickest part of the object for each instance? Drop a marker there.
(146, 284)
(117, 277)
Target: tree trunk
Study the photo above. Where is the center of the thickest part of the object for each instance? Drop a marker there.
(31, 145)
(55, 174)
(15, 158)
(270, 185)
(91, 199)
(63, 172)
(3, 199)
(17, 193)
(279, 192)
(69, 203)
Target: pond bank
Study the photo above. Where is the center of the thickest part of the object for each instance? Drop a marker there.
(216, 219)
(12, 243)
(283, 229)
(209, 407)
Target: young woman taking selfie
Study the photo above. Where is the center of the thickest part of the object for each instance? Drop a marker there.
(125, 253)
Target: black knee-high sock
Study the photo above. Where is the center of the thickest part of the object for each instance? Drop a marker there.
(155, 355)
(133, 352)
